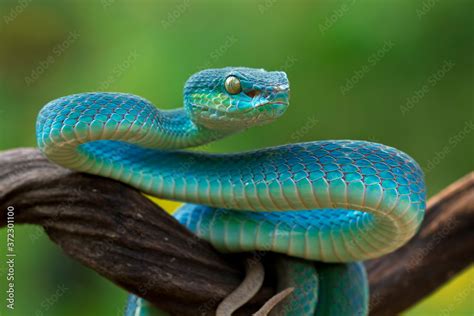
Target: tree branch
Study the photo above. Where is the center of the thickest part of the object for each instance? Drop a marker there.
(443, 247)
(113, 229)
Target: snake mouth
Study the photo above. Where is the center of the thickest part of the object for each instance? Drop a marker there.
(265, 107)
(278, 102)
(237, 114)
(259, 115)
(279, 97)
(266, 104)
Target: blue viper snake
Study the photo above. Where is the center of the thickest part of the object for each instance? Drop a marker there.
(323, 206)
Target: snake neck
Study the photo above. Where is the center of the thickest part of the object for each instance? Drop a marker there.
(179, 131)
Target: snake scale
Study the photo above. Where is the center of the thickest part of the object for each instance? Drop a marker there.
(323, 206)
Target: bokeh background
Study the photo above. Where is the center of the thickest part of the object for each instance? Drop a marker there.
(396, 72)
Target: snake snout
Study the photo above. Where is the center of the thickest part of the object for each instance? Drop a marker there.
(282, 88)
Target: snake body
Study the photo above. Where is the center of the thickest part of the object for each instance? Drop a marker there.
(335, 202)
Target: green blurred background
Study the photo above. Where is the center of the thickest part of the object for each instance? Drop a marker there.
(395, 72)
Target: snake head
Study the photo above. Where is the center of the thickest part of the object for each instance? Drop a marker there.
(235, 98)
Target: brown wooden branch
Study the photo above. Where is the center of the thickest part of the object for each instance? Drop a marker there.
(443, 247)
(113, 229)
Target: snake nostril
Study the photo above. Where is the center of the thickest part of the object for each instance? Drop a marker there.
(282, 87)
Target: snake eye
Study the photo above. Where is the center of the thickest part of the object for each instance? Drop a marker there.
(232, 85)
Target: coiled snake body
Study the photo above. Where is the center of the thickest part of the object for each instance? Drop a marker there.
(336, 201)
